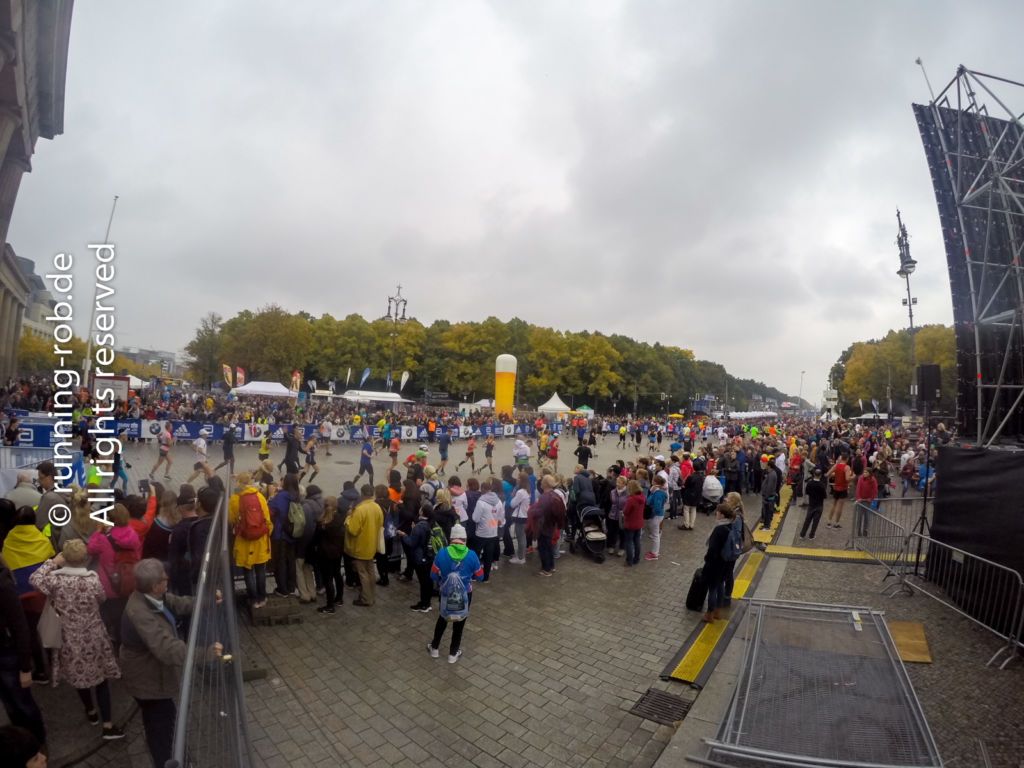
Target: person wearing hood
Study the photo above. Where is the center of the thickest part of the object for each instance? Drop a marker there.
(313, 509)
(521, 453)
(459, 499)
(85, 659)
(455, 558)
(104, 546)
(252, 541)
(489, 516)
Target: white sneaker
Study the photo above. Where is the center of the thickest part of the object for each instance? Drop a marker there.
(432, 651)
(452, 658)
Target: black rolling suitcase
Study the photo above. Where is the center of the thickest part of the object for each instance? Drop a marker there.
(698, 591)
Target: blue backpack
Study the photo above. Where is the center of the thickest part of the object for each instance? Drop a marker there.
(454, 597)
(733, 546)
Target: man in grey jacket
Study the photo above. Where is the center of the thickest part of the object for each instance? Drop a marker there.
(152, 654)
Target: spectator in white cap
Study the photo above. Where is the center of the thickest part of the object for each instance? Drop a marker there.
(459, 560)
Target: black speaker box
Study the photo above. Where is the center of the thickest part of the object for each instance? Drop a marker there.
(929, 383)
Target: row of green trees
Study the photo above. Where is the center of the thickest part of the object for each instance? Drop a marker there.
(604, 372)
(871, 369)
(35, 356)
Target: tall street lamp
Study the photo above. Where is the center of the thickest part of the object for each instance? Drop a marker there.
(800, 396)
(907, 266)
(395, 303)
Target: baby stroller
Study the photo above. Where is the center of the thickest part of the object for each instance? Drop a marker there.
(590, 533)
(711, 494)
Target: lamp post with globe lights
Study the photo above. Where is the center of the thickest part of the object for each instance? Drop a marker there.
(907, 266)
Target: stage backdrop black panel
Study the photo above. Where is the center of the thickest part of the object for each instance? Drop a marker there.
(979, 508)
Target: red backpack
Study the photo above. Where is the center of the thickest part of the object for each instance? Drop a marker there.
(122, 575)
(251, 524)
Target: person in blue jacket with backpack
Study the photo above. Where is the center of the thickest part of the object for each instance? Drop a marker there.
(459, 561)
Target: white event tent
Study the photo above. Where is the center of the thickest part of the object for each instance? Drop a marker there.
(264, 389)
(368, 396)
(554, 405)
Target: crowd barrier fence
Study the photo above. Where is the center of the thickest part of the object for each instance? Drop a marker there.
(986, 592)
(881, 539)
(211, 727)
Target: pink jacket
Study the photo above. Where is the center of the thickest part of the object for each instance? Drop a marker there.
(99, 547)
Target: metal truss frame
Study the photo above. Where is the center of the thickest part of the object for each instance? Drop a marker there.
(983, 174)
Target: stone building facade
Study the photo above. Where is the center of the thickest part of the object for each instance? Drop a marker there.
(34, 38)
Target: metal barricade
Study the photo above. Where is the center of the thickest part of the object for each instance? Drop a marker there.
(881, 539)
(906, 512)
(981, 590)
(211, 728)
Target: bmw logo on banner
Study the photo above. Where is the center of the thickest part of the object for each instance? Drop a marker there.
(154, 428)
(408, 433)
(341, 433)
(509, 430)
(466, 431)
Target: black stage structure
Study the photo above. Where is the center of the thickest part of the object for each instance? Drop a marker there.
(973, 138)
(977, 167)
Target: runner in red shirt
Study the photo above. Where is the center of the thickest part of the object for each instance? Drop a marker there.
(470, 457)
(842, 476)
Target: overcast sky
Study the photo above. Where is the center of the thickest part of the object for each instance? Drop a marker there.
(719, 176)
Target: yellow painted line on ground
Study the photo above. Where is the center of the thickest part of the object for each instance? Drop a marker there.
(742, 581)
(764, 537)
(697, 656)
(812, 553)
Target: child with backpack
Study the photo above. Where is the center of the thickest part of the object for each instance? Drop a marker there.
(249, 518)
(455, 566)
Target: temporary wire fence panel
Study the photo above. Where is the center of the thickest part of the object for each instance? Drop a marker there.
(981, 590)
(879, 537)
(821, 685)
(211, 730)
(905, 512)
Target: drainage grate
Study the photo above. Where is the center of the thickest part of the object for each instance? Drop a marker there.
(661, 707)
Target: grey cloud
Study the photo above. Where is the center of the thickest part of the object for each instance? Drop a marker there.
(673, 173)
